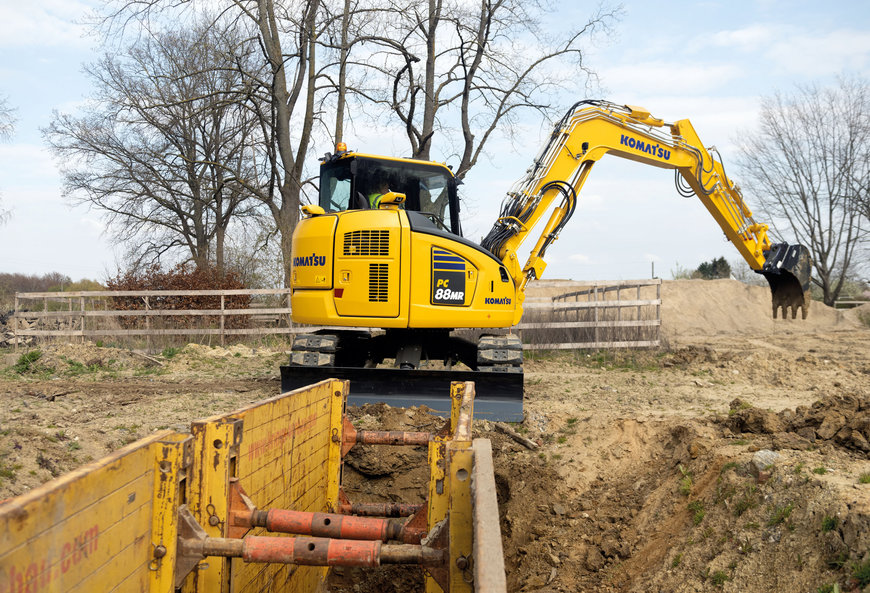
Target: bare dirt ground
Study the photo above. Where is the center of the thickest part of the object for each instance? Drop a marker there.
(733, 459)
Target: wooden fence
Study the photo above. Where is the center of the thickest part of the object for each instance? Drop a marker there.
(595, 315)
(87, 314)
(580, 315)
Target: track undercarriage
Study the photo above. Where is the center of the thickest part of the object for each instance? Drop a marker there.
(413, 367)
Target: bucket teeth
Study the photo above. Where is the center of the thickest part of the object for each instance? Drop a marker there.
(787, 269)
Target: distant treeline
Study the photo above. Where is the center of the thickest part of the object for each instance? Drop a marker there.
(51, 282)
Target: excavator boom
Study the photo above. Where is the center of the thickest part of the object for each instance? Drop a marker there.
(592, 129)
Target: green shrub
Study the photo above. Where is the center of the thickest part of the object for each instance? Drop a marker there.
(27, 362)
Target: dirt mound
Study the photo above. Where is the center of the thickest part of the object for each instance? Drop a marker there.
(692, 308)
(709, 307)
(842, 419)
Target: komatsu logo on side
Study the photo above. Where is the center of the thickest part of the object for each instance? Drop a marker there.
(647, 147)
(309, 260)
(495, 301)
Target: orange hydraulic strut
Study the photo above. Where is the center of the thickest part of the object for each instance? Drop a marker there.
(243, 516)
(316, 551)
(329, 525)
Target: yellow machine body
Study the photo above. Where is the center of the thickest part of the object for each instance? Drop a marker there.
(369, 268)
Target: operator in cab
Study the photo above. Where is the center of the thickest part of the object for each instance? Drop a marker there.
(380, 185)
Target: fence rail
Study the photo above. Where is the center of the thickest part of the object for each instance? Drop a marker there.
(80, 313)
(590, 315)
(595, 315)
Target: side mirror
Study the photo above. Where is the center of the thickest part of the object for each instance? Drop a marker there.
(392, 200)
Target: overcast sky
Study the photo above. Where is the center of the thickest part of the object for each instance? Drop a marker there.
(710, 62)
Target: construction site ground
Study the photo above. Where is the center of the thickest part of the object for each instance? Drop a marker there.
(734, 458)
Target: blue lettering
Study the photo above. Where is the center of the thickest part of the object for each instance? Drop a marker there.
(495, 301)
(309, 260)
(623, 139)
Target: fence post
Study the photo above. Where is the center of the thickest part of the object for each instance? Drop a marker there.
(595, 334)
(81, 317)
(222, 321)
(659, 312)
(147, 325)
(15, 323)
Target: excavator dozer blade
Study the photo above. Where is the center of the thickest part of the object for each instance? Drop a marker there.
(787, 269)
(499, 396)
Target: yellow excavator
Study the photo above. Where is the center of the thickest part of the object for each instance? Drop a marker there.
(384, 249)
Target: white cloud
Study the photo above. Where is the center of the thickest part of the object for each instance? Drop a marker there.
(674, 77)
(749, 38)
(812, 55)
(579, 257)
(45, 23)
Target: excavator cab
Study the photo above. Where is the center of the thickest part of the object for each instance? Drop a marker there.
(787, 269)
(348, 183)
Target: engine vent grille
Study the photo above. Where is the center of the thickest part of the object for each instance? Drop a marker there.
(378, 282)
(367, 243)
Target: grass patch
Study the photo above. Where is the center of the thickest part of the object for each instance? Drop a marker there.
(821, 470)
(686, 482)
(829, 524)
(718, 578)
(728, 466)
(746, 501)
(861, 573)
(864, 479)
(677, 559)
(28, 364)
(169, 352)
(696, 507)
(780, 514)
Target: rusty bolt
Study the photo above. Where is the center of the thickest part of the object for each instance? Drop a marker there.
(159, 551)
(214, 521)
(462, 563)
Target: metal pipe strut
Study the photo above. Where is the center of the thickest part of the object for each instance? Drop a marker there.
(329, 525)
(393, 437)
(379, 509)
(315, 551)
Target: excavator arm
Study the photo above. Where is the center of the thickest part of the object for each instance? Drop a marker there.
(592, 129)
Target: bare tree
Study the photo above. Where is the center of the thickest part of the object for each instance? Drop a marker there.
(807, 163)
(456, 72)
(7, 128)
(283, 83)
(168, 147)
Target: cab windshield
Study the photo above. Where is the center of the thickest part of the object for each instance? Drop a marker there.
(355, 183)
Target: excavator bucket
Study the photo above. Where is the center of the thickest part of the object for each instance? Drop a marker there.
(787, 269)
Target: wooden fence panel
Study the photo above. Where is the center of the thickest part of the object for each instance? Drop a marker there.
(615, 314)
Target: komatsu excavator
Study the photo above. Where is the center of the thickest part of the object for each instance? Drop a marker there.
(384, 249)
